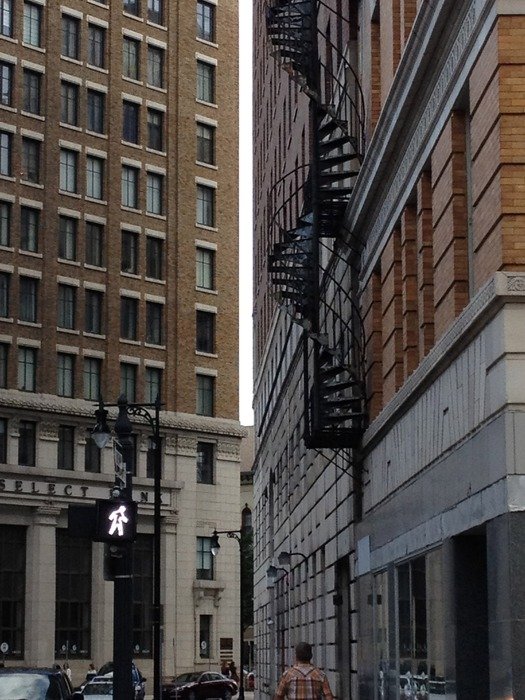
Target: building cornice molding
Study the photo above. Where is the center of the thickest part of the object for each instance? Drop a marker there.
(406, 131)
(49, 404)
(503, 288)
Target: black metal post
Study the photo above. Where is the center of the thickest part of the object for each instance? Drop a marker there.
(241, 605)
(157, 622)
(123, 587)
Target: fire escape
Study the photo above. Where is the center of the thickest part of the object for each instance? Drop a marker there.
(313, 264)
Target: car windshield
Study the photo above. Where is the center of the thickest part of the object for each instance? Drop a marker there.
(28, 686)
(187, 678)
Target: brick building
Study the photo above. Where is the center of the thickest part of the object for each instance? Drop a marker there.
(406, 523)
(118, 274)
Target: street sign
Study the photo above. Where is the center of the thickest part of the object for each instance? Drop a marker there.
(116, 521)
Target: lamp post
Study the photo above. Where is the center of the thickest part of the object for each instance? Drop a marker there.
(101, 435)
(240, 536)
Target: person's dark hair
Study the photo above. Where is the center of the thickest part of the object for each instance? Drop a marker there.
(303, 652)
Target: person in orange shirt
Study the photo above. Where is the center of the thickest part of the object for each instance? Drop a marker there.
(303, 681)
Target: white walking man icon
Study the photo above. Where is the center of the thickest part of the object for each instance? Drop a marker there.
(118, 518)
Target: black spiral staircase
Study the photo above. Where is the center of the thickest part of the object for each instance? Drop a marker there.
(312, 264)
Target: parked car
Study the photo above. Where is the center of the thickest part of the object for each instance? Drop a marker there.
(98, 688)
(139, 682)
(34, 684)
(199, 686)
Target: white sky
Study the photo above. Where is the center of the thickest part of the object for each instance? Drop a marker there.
(245, 214)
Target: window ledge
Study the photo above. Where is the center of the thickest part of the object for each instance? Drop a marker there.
(88, 266)
(207, 228)
(97, 68)
(28, 183)
(9, 178)
(70, 331)
(33, 47)
(98, 336)
(207, 43)
(4, 37)
(132, 80)
(30, 253)
(155, 346)
(33, 115)
(132, 275)
(8, 108)
(208, 104)
(152, 215)
(98, 134)
(201, 584)
(96, 200)
(7, 248)
(150, 23)
(137, 18)
(4, 319)
(128, 341)
(155, 151)
(75, 195)
(205, 290)
(72, 60)
(210, 166)
(131, 209)
(157, 88)
(31, 324)
(154, 280)
(201, 353)
(131, 144)
(73, 127)
(69, 262)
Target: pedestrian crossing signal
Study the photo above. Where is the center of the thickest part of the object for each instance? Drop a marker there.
(116, 521)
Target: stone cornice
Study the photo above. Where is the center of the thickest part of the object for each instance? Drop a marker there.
(50, 404)
(504, 287)
(414, 115)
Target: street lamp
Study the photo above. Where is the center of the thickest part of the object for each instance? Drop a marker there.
(123, 597)
(241, 537)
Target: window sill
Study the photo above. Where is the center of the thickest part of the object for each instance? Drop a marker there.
(152, 215)
(207, 228)
(207, 42)
(69, 331)
(128, 341)
(131, 144)
(30, 324)
(28, 183)
(4, 37)
(130, 275)
(7, 248)
(154, 150)
(205, 290)
(154, 280)
(98, 134)
(137, 18)
(72, 127)
(105, 5)
(34, 47)
(75, 263)
(88, 266)
(8, 108)
(214, 105)
(96, 200)
(150, 23)
(134, 81)
(201, 353)
(130, 209)
(98, 336)
(75, 195)
(33, 115)
(154, 346)
(72, 60)
(157, 88)
(9, 178)
(99, 69)
(30, 253)
(4, 319)
(210, 166)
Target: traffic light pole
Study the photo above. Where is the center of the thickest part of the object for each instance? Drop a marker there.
(123, 586)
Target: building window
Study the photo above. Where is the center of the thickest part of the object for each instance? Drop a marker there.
(205, 334)
(204, 559)
(5, 283)
(205, 21)
(69, 103)
(67, 238)
(155, 193)
(73, 595)
(154, 257)
(5, 223)
(205, 205)
(132, 7)
(142, 595)
(155, 66)
(28, 287)
(31, 97)
(130, 187)
(156, 11)
(129, 252)
(13, 587)
(68, 170)
(65, 374)
(205, 268)
(27, 369)
(30, 160)
(29, 225)
(96, 45)
(155, 129)
(129, 309)
(96, 108)
(32, 24)
(154, 323)
(94, 244)
(26, 443)
(205, 462)
(92, 454)
(93, 319)
(66, 447)
(6, 83)
(153, 384)
(205, 636)
(66, 306)
(94, 177)
(70, 37)
(92, 372)
(6, 149)
(130, 58)
(205, 81)
(6, 17)
(205, 395)
(4, 364)
(206, 144)
(130, 121)
(3, 440)
(128, 380)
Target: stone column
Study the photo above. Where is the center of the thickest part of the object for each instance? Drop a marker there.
(41, 587)
(169, 592)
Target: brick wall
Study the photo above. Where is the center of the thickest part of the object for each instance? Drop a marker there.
(392, 316)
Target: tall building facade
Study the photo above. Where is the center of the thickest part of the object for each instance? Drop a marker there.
(118, 267)
(389, 354)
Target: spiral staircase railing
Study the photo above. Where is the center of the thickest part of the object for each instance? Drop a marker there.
(308, 206)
